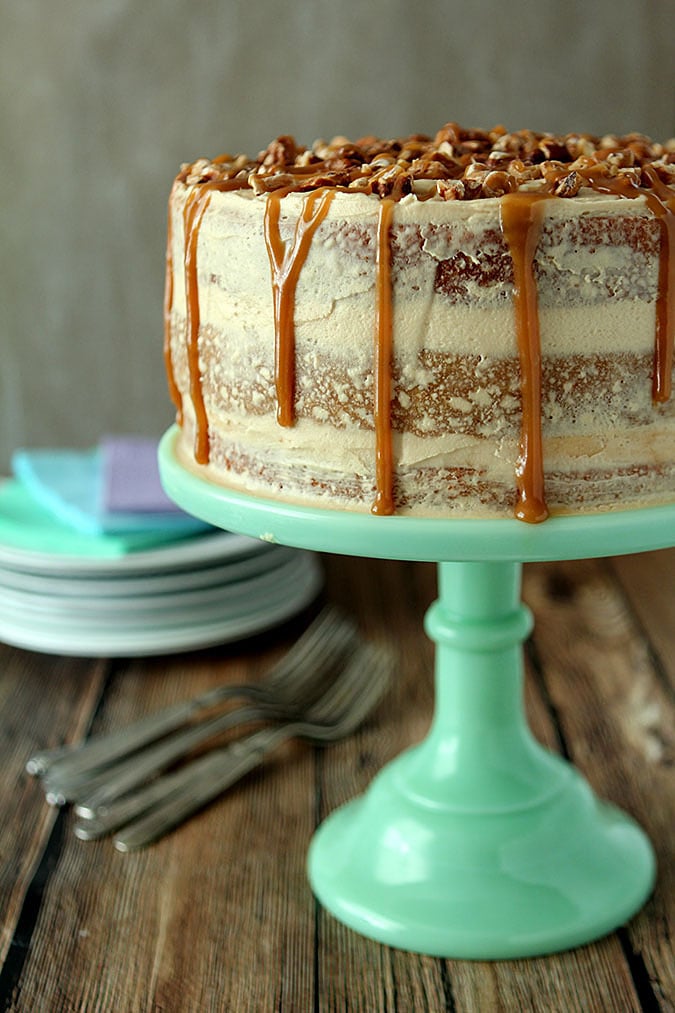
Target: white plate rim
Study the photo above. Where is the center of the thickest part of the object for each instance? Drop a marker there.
(166, 641)
(142, 583)
(109, 612)
(186, 553)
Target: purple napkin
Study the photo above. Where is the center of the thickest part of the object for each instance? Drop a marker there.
(131, 481)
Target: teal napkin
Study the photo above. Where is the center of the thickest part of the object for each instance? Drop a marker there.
(27, 524)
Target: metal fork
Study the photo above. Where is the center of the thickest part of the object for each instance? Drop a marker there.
(294, 680)
(90, 793)
(171, 799)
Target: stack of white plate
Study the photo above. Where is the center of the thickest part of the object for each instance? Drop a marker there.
(205, 590)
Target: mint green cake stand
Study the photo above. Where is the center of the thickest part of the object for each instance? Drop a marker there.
(476, 843)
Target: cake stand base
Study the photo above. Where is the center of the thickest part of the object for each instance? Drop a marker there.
(492, 885)
(478, 842)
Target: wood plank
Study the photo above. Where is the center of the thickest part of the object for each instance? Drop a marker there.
(590, 978)
(44, 701)
(648, 582)
(618, 723)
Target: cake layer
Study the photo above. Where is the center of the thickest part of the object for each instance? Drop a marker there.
(468, 480)
(598, 250)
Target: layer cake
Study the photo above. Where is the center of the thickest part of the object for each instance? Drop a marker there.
(478, 324)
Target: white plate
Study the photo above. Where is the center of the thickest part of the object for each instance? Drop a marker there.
(186, 554)
(207, 575)
(254, 614)
(158, 609)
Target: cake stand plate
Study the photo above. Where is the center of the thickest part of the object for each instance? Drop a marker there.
(477, 843)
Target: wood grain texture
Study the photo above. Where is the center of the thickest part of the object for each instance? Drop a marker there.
(219, 916)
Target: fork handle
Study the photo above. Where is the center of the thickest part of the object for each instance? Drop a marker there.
(69, 761)
(105, 819)
(227, 766)
(131, 772)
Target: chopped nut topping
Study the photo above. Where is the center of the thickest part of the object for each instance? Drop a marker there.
(569, 185)
(456, 164)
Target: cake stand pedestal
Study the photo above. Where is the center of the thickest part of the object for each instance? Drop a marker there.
(478, 842)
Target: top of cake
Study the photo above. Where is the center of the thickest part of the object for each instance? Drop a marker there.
(455, 164)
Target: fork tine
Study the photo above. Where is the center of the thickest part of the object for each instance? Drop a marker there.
(366, 679)
(341, 693)
(331, 626)
(301, 681)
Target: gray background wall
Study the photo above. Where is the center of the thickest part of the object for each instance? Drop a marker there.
(100, 101)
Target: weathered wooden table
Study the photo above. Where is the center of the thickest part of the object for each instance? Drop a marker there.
(219, 916)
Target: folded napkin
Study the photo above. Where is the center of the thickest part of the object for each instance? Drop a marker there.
(26, 524)
(111, 489)
(130, 477)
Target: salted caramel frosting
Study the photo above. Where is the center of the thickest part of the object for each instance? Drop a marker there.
(478, 324)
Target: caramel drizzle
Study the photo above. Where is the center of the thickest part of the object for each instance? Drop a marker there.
(174, 390)
(193, 215)
(665, 321)
(286, 263)
(521, 220)
(384, 499)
